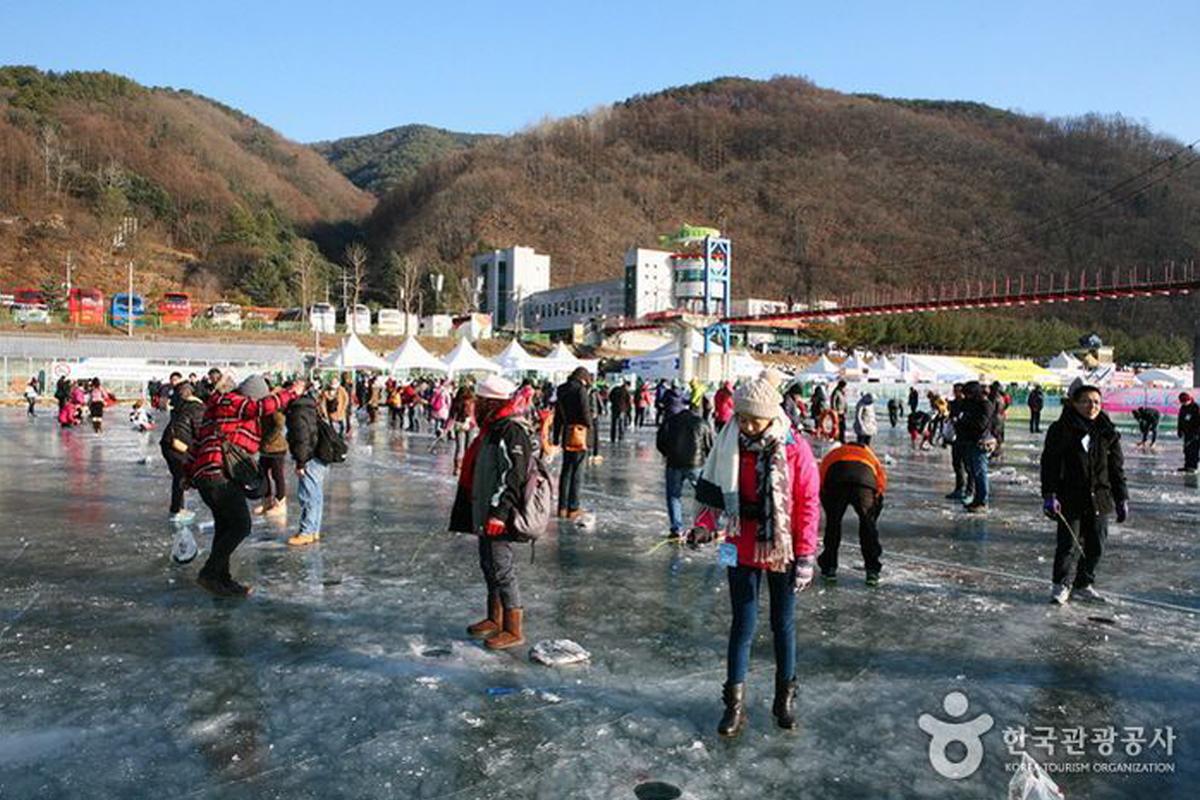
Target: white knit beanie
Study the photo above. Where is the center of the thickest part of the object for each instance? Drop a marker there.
(493, 387)
(757, 398)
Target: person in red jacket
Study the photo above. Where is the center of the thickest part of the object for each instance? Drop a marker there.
(851, 476)
(723, 405)
(759, 486)
(232, 416)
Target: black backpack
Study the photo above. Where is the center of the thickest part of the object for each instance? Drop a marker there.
(331, 447)
(531, 517)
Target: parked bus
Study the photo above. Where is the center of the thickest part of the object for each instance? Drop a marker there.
(29, 307)
(225, 315)
(85, 307)
(122, 309)
(360, 321)
(175, 308)
(322, 317)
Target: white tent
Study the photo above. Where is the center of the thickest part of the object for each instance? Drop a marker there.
(821, 369)
(883, 369)
(561, 359)
(1066, 361)
(353, 355)
(935, 369)
(855, 363)
(1169, 378)
(412, 356)
(516, 359)
(465, 358)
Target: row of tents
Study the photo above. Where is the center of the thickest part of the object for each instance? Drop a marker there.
(412, 357)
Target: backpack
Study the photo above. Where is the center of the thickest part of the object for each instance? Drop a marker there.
(331, 447)
(530, 518)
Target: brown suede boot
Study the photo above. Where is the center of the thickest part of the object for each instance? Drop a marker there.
(493, 623)
(512, 635)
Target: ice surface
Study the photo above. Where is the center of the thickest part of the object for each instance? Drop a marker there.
(348, 673)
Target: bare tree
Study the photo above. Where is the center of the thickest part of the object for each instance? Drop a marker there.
(304, 259)
(406, 281)
(356, 262)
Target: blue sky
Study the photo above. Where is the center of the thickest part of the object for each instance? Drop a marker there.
(317, 70)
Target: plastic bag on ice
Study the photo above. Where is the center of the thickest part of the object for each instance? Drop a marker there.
(1030, 782)
(184, 548)
(557, 652)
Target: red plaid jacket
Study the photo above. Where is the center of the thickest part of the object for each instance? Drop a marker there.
(232, 418)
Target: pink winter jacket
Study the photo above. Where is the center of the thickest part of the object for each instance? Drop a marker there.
(806, 503)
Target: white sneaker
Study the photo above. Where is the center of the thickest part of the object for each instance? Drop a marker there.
(1090, 595)
(183, 517)
(1060, 594)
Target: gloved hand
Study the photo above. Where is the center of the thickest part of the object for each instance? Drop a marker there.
(878, 505)
(1052, 508)
(802, 574)
(698, 536)
(1122, 511)
(494, 527)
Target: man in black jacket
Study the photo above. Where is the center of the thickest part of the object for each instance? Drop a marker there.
(1036, 402)
(620, 402)
(1083, 481)
(1147, 419)
(684, 439)
(176, 442)
(573, 423)
(303, 433)
(976, 436)
(1188, 428)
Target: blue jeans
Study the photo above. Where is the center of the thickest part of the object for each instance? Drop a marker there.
(976, 460)
(676, 476)
(311, 492)
(744, 585)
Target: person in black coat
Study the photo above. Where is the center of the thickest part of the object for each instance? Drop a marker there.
(1083, 481)
(975, 434)
(1188, 429)
(1036, 402)
(573, 423)
(176, 445)
(684, 439)
(621, 402)
(1148, 419)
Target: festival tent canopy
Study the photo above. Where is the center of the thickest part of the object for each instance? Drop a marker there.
(1170, 378)
(561, 359)
(411, 355)
(822, 368)
(1065, 360)
(516, 359)
(855, 363)
(882, 368)
(353, 355)
(465, 358)
(935, 369)
(1009, 370)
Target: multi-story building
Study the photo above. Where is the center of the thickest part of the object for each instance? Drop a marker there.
(561, 309)
(508, 278)
(648, 282)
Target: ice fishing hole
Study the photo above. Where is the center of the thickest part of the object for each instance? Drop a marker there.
(657, 790)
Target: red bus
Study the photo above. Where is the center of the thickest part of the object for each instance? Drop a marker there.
(29, 297)
(175, 308)
(85, 307)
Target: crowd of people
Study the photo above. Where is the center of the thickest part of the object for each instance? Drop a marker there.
(743, 450)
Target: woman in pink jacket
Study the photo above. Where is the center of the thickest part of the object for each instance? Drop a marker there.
(761, 490)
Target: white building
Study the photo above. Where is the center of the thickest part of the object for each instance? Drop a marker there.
(508, 278)
(648, 282)
(562, 309)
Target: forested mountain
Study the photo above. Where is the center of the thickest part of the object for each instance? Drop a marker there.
(379, 161)
(217, 198)
(822, 193)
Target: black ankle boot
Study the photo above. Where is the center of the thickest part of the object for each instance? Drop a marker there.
(734, 719)
(784, 707)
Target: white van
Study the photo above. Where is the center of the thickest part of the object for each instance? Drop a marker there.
(322, 317)
(225, 315)
(389, 322)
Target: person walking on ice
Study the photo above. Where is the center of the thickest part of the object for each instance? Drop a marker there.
(759, 487)
(852, 476)
(1083, 481)
(491, 487)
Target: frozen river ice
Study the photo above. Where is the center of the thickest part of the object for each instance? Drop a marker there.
(348, 673)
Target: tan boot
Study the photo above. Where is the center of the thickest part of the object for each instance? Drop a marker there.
(512, 635)
(492, 624)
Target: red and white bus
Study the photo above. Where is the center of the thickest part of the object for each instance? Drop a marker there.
(175, 308)
(85, 307)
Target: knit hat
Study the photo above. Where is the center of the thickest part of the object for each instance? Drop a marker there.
(254, 387)
(773, 376)
(493, 387)
(757, 398)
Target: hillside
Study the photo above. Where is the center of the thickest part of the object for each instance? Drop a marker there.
(218, 197)
(378, 162)
(823, 193)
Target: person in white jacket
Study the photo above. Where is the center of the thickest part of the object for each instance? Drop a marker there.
(865, 424)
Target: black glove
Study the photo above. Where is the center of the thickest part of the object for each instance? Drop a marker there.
(878, 504)
(698, 536)
(1122, 511)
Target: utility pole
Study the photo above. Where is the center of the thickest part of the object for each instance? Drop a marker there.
(129, 303)
(68, 275)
